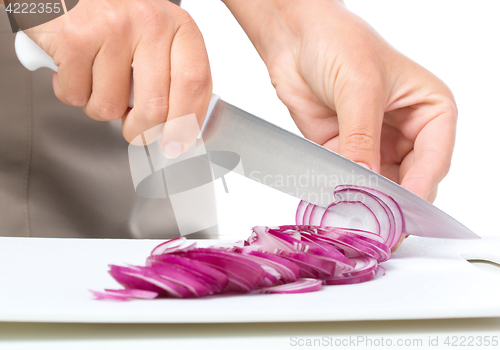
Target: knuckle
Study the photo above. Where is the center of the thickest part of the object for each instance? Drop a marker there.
(76, 100)
(73, 96)
(156, 110)
(360, 142)
(183, 17)
(116, 25)
(195, 80)
(108, 111)
(156, 19)
(151, 16)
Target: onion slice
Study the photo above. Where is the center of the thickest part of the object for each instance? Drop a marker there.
(356, 215)
(300, 212)
(179, 244)
(124, 294)
(208, 275)
(302, 285)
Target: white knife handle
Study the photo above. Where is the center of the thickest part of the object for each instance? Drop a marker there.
(33, 57)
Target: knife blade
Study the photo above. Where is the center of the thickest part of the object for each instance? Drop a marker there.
(292, 164)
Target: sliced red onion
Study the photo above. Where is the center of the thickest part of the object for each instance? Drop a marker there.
(381, 211)
(348, 250)
(306, 271)
(284, 237)
(179, 244)
(367, 271)
(342, 263)
(351, 215)
(350, 247)
(141, 278)
(134, 293)
(379, 271)
(300, 212)
(307, 213)
(124, 294)
(310, 244)
(334, 281)
(358, 234)
(391, 204)
(303, 285)
(119, 273)
(376, 249)
(261, 238)
(288, 270)
(316, 216)
(110, 296)
(210, 276)
(243, 275)
(363, 265)
(190, 281)
(324, 267)
(271, 277)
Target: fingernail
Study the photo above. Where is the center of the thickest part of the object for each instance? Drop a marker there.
(172, 149)
(364, 165)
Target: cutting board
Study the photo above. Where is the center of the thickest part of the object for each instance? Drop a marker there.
(47, 280)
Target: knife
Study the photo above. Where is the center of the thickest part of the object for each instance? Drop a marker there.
(288, 162)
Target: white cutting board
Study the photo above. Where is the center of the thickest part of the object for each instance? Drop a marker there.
(47, 280)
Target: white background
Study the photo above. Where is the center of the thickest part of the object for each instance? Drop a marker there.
(456, 40)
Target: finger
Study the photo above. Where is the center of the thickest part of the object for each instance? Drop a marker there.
(111, 84)
(360, 114)
(190, 90)
(151, 72)
(430, 161)
(73, 81)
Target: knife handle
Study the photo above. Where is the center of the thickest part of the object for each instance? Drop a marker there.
(33, 57)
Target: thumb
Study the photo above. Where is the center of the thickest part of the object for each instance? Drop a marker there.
(360, 119)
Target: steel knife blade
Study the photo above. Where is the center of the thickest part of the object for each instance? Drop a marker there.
(292, 164)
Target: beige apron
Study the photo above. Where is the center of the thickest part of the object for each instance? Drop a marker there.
(63, 174)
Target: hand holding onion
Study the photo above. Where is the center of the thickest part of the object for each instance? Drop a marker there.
(347, 89)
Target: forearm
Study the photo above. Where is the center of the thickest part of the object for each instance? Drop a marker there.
(255, 17)
(264, 21)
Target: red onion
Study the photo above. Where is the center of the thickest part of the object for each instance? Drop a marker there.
(124, 294)
(303, 285)
(341, 244)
